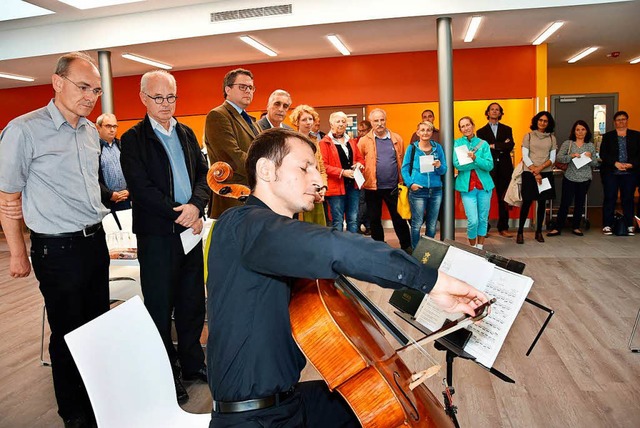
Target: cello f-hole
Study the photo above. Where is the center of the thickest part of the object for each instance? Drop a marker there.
(415, 414)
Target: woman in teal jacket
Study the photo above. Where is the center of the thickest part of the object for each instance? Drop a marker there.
(472, 158)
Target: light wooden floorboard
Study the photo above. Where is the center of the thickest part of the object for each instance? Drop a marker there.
(579, 375)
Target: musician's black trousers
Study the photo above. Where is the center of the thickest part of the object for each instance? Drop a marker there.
(312, 406)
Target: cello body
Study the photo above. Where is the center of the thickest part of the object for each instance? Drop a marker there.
(349, 350)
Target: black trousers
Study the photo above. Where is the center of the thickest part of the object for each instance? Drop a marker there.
(74, 281)
(374, 199)
(612, 184)
(501, 180)
(312, 406)
(174, 282)
(572, 190)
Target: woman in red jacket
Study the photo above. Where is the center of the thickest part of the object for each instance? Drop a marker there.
(341, 159)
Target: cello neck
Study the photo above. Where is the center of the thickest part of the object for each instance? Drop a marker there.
(374, 310)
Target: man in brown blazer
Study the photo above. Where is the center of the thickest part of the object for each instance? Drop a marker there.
(229, 131)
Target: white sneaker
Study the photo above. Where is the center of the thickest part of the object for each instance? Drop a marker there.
(607, 230)
(631, 230)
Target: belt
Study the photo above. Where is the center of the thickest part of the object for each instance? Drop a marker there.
(254, 404)
(84, 233)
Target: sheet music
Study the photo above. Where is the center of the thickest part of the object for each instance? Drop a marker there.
(544, 185)
(509, 288)
(426, 163)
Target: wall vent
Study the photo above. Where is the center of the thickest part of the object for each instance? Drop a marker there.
(256, 12)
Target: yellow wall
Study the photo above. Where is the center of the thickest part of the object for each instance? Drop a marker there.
(404, 118)
(622, 79)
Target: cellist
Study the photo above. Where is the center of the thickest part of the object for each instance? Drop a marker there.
(257, 251)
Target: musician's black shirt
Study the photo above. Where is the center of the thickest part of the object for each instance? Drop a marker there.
(254, 257)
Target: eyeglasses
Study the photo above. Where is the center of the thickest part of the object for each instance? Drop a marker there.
(84, 88)
(110, 126)
(243, 87)
(159, 100)
(621, 119)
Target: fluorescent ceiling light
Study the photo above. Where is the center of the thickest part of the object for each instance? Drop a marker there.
(147, 61)
(17, 77)
(582, 55)
(17, 9)
(473, 27)
(635, 61)
(548, 32)
(257, 45)
(338, 44)
(92, 4)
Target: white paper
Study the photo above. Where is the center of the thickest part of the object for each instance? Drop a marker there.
(189, 240)
(510, 290)
(467, 267)
(357, 175)
(545, 185)
(426, 163)
(462, 152)
(581, 161)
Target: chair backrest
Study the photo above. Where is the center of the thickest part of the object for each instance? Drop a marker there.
(124, 366)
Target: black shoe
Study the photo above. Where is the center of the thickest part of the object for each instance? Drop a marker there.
(181, 392)
(199, 375)
(577, 232)
(367, 232)
(78, 422)
(539, 237)
(519, 238)
(554, 233)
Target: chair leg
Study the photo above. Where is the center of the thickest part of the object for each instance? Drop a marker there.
(42, 361)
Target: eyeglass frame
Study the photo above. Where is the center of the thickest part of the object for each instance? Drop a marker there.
(162, 99)
(84, 88)
(251, 88)
(109, 126)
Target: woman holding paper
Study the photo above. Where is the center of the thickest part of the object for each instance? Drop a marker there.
(472, 158)
(578, 152)
(538, 155)
(343, 161)
(422, 167)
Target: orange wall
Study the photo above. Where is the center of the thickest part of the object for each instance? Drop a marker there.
(354, 80)
(621, 79)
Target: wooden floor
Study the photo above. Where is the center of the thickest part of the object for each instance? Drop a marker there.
(581, 373)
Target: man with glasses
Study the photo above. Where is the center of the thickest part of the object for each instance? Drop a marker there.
(112, 183)
(229, 131)
(49, 158)
(167, 176)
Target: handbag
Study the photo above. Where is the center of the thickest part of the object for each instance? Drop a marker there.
(404, 209)
(513, 195)
(562, 166)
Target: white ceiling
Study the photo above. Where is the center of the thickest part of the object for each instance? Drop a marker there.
(179, 32)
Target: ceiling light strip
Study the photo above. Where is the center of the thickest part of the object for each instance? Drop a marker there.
(147, 61)
(335, 41)
(582, 54)
(548, 32)
(257, 45)
(17, 77)
(472, 29)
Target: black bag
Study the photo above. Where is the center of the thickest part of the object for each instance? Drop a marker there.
(619, 225)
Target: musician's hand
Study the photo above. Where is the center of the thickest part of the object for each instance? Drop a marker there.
(453, 295)
(189, 214)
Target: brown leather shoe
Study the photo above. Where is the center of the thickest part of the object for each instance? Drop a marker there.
(539, 237)
(519, 239)
(505, 234)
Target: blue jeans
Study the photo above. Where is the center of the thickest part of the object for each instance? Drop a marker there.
(425, 205)
(476, 207)
(345, 204)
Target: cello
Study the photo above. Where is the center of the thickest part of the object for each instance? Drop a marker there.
(344, 343)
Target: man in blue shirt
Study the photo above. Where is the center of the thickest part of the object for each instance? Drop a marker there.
(113, 186)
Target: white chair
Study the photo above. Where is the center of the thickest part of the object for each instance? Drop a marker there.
(126, 371)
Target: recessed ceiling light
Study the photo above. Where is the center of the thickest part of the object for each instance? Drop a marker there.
(257, 45)
(335, 41)
(473, 27)
(635, 61)
(18, 9)
(548, 32)
(147, 61)
(582, 54)
(17, 77)
(92, 4)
